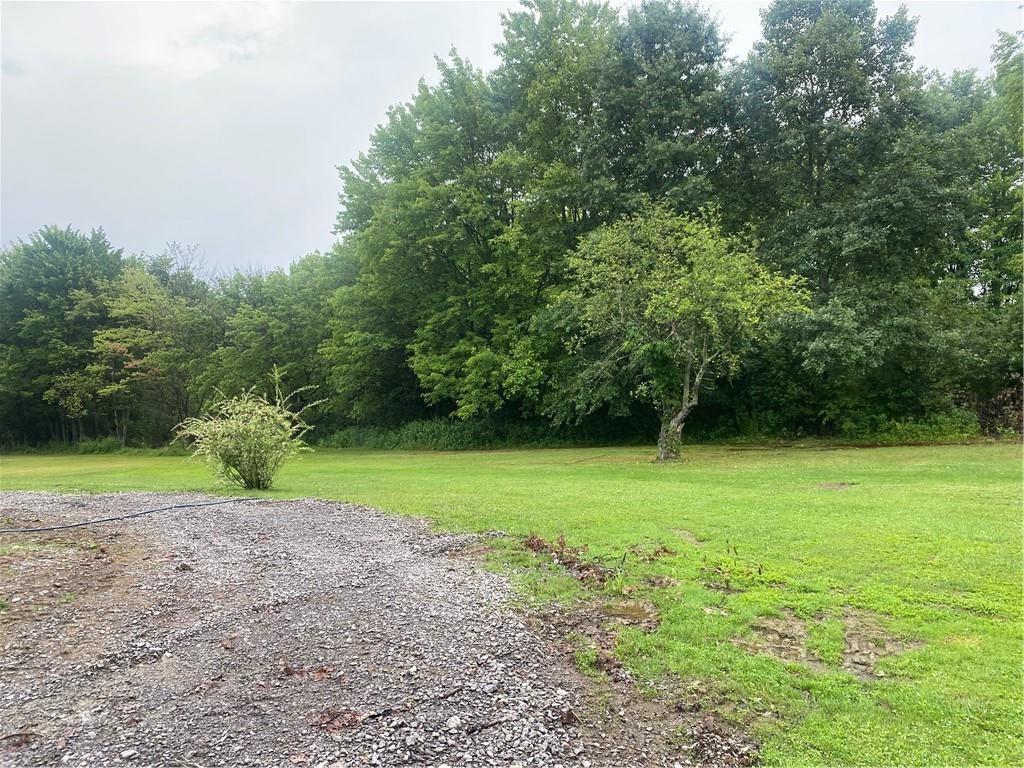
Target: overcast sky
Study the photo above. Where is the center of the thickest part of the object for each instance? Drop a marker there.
(220, 125)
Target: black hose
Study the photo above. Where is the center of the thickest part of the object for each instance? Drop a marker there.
(121, 517)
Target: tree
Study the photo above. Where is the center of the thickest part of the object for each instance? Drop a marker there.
(551, 54)
(278, 319)
(999, 135)
(895, 194)
(443, 290)
(863, 176)
(667, 303)
(659, 117)
(142, 368)
(813, 110)
(43, 336)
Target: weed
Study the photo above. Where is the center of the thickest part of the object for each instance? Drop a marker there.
(616, 584)
(825, 641)
(586, 661)
(570, 558)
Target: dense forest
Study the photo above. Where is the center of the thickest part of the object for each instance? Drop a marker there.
(818, 239)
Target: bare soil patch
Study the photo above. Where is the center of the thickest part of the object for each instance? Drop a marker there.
(836, 486)
(688, 537)
(782, 637)
(291, 633)
(674, 713)
(866, 642)
(636, 613)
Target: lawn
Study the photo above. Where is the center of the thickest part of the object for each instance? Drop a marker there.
(847, 606)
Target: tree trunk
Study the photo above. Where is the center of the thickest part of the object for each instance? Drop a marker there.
(667, 448)
(674, 418)
(672, 432)
(121, 425)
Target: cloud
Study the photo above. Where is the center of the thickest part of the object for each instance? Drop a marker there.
(208, 37)
(11, 67)
(182, 41)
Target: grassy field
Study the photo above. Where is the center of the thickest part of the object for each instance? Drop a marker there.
(788, 568)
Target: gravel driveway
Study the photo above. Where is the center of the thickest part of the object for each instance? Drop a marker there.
(284, 633)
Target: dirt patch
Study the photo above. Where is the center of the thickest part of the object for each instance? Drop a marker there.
(573, 559)
(867, 642)
(641, 615)
(661, 582)
(589, 570)
(60, 574)
(783, 637)
(836, 486)
(687, 536)
(590, 634)
(650, 555)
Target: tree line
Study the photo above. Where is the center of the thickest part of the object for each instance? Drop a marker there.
(543, 243)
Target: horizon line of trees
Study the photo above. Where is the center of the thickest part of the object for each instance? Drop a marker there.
(467, 282)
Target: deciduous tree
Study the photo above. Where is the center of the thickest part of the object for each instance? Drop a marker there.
(667, 303)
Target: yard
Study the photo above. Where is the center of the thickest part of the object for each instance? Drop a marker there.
(843, 606)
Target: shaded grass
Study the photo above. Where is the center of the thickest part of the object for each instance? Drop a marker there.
(926, 540)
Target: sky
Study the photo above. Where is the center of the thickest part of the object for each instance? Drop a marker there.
(220, 125)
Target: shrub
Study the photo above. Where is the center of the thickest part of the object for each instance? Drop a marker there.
(246, 439)
(489, 434)
(955, 425)
(99, 445)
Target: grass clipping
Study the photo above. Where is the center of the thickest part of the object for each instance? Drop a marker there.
(246, 439)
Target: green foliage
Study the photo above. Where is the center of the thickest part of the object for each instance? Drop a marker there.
(666, 304)
(484, 434)
(586, 660)
(825, 641)
(661, 108)
(46, 326)
(957, 425)
(442, 435)
(812, 101)
(98, 445)
(132, 336)
(247, 438)
(278, 319)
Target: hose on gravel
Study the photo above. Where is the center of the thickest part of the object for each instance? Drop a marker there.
(128, 516)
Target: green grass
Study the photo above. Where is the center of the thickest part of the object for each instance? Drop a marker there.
(925, 542)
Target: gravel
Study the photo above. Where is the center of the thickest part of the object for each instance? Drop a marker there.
(287, 633)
